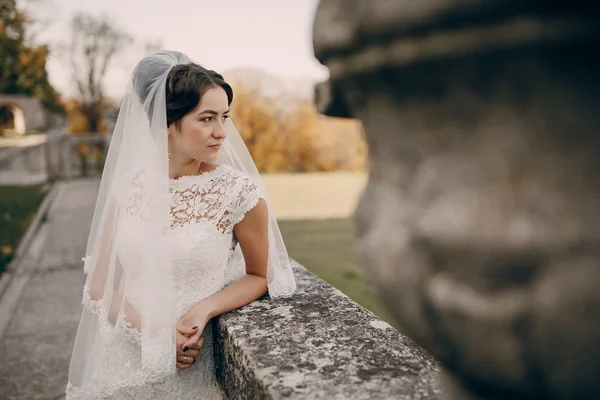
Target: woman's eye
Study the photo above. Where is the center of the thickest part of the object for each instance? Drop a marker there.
(225, 117)
(207, 119)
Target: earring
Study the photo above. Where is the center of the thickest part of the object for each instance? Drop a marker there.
(169, 156)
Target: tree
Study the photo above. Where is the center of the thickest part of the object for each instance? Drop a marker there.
(23, 64)
(95, 43)
(298, 140)
(12, 34)
(318, 143)
(33, 78)
(300, 127)
(256, 120)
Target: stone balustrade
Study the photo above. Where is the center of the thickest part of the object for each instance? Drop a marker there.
(316, 345)
(49, 157)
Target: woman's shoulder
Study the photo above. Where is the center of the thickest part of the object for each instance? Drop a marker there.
(240, 183)
(236, 176)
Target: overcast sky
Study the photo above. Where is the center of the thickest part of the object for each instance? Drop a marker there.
(273, 35)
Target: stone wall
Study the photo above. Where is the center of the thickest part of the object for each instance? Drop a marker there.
(26, 165)
(40, 158)
(34, 116)
(316, 345)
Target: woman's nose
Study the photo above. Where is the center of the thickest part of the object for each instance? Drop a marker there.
(220, 131)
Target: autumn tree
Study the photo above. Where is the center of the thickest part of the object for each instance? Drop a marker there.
(255, 119)
(300, 126)
(12, 34)
(78, 121)
(23, 64)
(95, 43)
(298, 140)
(316, 143)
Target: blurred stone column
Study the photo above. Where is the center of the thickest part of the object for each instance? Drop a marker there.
(480, 223)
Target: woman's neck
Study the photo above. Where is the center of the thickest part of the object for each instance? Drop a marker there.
(179, 168)
(192, 167)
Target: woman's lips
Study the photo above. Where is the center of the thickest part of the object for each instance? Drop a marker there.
(215, 146)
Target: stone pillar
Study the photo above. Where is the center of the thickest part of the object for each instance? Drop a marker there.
(480, 223)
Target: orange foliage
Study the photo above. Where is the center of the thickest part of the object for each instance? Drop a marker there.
(300, 140)
(78, 122)
(300, 126)
(256, 121)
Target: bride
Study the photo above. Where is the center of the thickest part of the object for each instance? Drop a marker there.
(182, 232)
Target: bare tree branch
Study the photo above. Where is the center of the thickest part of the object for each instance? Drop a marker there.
(95, 43)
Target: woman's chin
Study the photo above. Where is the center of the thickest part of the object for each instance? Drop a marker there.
(210, 158)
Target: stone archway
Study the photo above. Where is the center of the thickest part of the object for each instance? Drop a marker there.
(12, 120)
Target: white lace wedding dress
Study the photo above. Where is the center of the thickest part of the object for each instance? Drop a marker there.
(204, 211)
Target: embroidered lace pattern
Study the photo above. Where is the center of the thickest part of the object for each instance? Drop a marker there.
(204, 212)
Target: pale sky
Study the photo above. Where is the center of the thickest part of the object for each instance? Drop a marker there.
(273, 35)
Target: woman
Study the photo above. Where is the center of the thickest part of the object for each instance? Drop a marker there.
(181, 233)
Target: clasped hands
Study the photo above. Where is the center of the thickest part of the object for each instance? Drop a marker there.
(189, 338)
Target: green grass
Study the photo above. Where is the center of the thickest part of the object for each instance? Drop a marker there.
(325, 247)
(18, 205)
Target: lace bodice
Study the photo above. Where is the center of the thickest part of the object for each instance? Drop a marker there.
(204, 211)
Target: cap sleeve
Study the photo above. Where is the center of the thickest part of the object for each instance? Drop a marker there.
(247, 195)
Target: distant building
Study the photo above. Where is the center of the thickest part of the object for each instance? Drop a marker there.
(20, 114)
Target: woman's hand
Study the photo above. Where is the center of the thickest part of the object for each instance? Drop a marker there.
(186, 358)
(197, 317)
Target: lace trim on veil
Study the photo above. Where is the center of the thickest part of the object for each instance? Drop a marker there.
(131, 377)
(106, 329)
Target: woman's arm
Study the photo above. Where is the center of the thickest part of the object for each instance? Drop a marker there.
(252, 234)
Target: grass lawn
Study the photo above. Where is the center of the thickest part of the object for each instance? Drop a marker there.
(18, 205)
(325, 247)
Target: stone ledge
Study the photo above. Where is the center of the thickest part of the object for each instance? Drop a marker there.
(318, 344)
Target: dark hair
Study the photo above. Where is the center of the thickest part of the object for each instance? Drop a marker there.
(186, 84)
